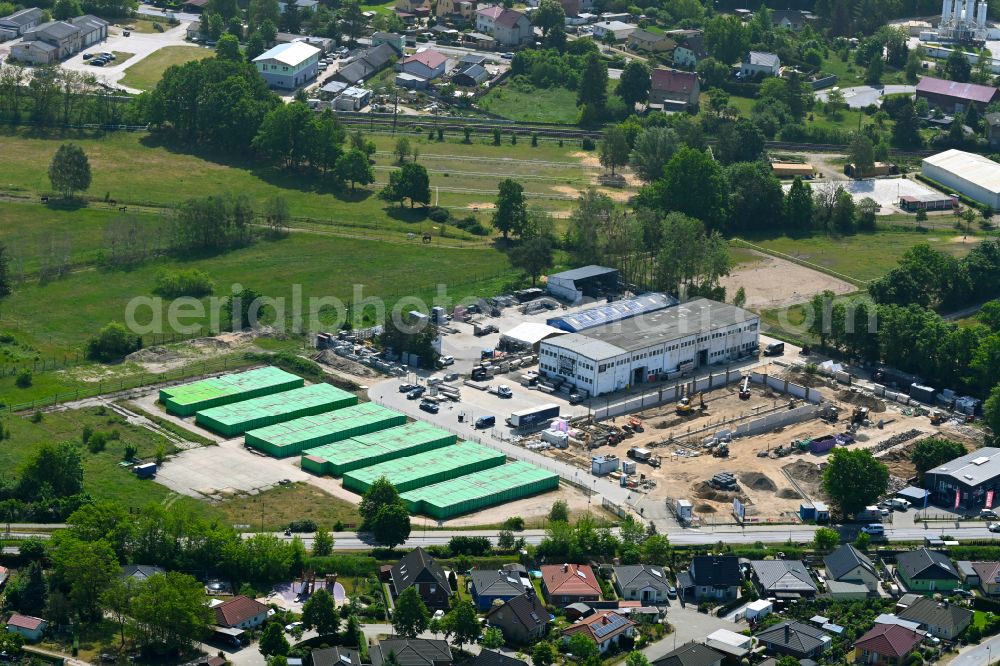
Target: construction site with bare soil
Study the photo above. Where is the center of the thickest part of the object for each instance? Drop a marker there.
(762, 440)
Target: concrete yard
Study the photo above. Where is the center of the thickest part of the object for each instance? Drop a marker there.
(885, 191)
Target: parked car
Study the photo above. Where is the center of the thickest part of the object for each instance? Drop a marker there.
(418, 392)
(504, 391)
(98, 63)
(430, 407)
(438, 614)
(959, 592)
(874, 529)
(671, 592)
(484, 422)
(507, 56)
(406, 388)
(988, 513)
(88, 56)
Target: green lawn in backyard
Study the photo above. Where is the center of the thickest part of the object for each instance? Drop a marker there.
(102, 476)
(138, 25)
(384, 8)
(146, 73)
(851, 74)
(847, 120)
(863, 256)
(526, 103)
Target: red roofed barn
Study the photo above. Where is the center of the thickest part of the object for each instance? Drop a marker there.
(954, 96)
(240, 612)
(566, 584)
(886, 644)
(31, 628)
(674, 89)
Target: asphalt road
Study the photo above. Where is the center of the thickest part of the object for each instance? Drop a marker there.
(983, 654)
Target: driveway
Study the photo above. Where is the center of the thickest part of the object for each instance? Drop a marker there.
(141, 44)
(858, 97)
(689, 625)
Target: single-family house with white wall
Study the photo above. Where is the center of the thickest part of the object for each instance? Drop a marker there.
(288, 66)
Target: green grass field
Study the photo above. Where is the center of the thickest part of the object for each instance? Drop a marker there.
(529, 104)
(279, 506)
(102, 476)
(146, 73)
(861, 256)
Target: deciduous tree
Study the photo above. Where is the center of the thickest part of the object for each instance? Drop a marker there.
(614, 149)
(653, 149)
(853, 479)
(320, 613)
(391, 525)
(69, 171)
(633, 86)
(411, 617)
(353, 167)
(933, 451)
(273, 641)
(462, 624)
(322, 542)
(825, 539)
(510, 216)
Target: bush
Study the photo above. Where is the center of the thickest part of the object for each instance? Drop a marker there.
(86, 434)
(472, 226)
(588, 144)
(36, 417)
(112, 343)
(307, 525)
(131, 451)
(174, 284)
(439, 215)
(97, 442)
(515, 523)
(24, 379)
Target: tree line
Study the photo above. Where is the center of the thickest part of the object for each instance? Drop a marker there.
(51, 95)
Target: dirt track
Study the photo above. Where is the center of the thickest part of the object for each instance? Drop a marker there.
(773, 282)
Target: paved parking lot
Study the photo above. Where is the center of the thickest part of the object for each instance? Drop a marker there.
(224, 470)
(885, 191)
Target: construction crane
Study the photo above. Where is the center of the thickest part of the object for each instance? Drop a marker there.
(745, 388)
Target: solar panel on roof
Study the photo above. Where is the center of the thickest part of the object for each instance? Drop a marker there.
(656, 573)
(608, 625)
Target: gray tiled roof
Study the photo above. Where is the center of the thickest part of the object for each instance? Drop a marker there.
(846, 559)
(496, 583)
(972, 468)
(690, 654)
(783, 575)
(933, 613)
(926, 564)
(57, 30)
(796, 636)
(23, 17)
(642, 575)
(412, 652)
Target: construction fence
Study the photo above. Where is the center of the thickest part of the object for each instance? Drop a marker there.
(667, 394)
(785, 386)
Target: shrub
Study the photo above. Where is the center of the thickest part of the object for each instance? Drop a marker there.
(439, 215)
(131, 451)
(174, 284)
(472, 225)
(86, 434)
(97, 442)
(24, 378)
(515, 523)
(588, 144)
(112, 343)
(307, 525)
(36, 417)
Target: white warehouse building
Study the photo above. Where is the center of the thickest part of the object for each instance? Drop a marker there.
(973, 175)
(645, 348)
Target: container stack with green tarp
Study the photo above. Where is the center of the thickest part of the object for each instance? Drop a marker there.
(479, 490)
(187, 399)
(424, 469)
(238, 418)
(293, 437)
(341, 457)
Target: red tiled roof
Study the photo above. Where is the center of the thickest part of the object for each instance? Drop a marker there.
(889, 640)
(570, 579)
(968, 91)
(432, 59)
(672, 80)
(509, 18)
(238, 609)
(25, 622)
(601, 626)
(493, 11)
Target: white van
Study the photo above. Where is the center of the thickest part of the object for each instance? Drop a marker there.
(874, 529)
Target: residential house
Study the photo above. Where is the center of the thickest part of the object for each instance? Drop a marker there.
(641, 582)
(571, 8)
(939, 618)
(951, 96)
(993, 128)
(412, 7)
(459, 9)
(759, 63)
(470, 75)
(522, 619)
(19, 22)
(791, 19)
(420, 570)
(335, 656)
(714, 577)
(989, 577)
(240, 612)
(794, 638)
(352, 98)
(288, 66)
(783, 579)
(486, 16)
(847, 564)
(140, 572)
(366, 65)
(691, 654)
(690, 51)
(491, 585)
(926, 571)
(886, 645)
(396, 41)
(31, 628)
(650, 42)
(674, 89)
(618, 30)
(513, 28)
(564, 584)
(303, 6)
(494, 658)
(412, 652)
(194, 6)
(606, 628)
(427, 64)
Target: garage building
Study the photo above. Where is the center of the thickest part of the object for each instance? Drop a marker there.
(973, 175)
(527, 336)
(970, 482)
(641, 349)
(593, 281)
(615, 311)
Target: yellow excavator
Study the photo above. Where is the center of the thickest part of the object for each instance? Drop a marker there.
(686, 406)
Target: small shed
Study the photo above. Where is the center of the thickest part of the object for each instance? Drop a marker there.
(915, 496)
(757, 610)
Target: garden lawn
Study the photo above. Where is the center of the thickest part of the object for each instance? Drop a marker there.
(103, 477)
(146, 73)
(525, 103)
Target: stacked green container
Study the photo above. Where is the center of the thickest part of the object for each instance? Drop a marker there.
(480, 490)
(238, 418)
(293, 437)
(428, 468)
(186, 399)
(339, 458)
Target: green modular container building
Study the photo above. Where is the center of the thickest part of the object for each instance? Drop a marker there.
(477, 491)
(365, 450)
(238, 418)
(186, 399)
(293, 437)
(427, 468)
